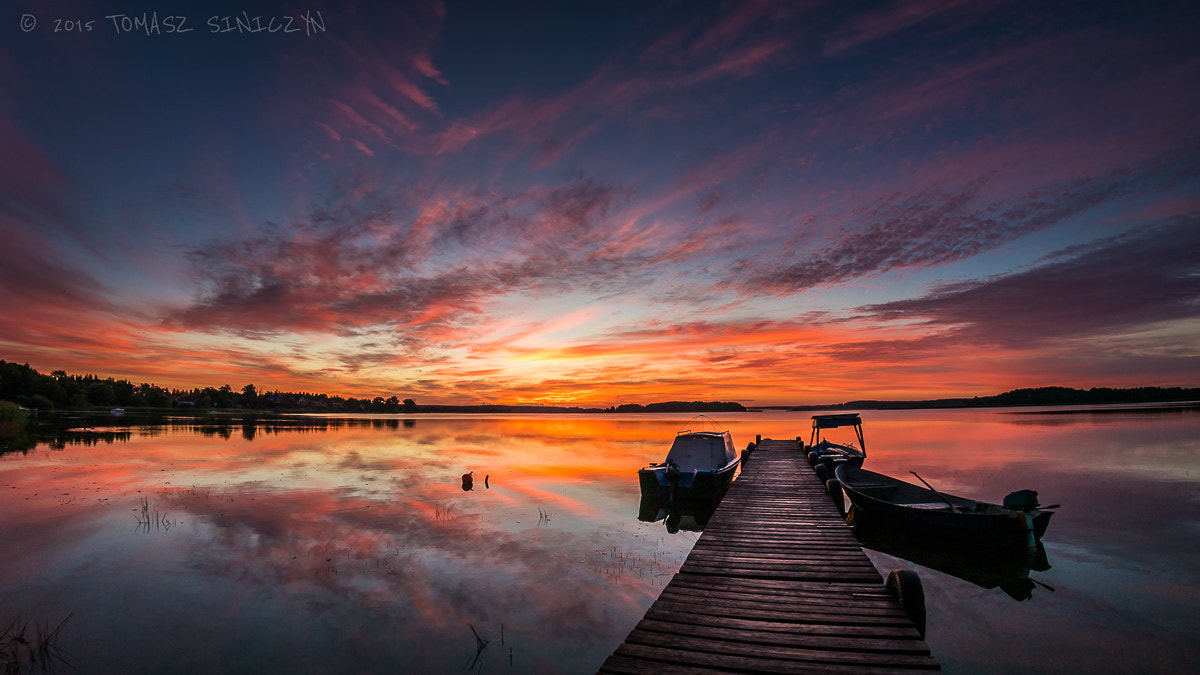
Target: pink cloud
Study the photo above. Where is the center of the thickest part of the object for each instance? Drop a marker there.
(399, 123)
(870, 26)
(743, 62)
(424, 65)
(333, 133)
(357, 262)
(376, 74)
(411, 91)
(361, 122)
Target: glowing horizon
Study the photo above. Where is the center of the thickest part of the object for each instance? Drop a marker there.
(553, 204)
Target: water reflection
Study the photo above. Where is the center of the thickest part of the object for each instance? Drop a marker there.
(1101, 414)
(689, 515)
(1006, 569)
(348, 545)
(62, 438)
(321, 542)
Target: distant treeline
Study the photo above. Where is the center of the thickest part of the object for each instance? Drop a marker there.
(1039, 396)
(28, 388)
(503, 409)
(58, 390)
(1067, 396)
(680, 407)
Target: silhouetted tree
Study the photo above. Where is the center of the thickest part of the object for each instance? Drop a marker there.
(100, 393)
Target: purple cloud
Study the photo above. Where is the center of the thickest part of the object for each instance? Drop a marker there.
(372, 256)
(938, 226)
(1143, 277)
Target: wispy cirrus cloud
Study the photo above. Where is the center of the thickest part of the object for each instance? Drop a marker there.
(744, 41)
(36, 194)
(878, 24)
(1146, 276)
(374, 257)
(939, 226)
(48, 296)
(374, 87)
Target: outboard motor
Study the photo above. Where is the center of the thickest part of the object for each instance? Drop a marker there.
(672, 472)
(1021, 500)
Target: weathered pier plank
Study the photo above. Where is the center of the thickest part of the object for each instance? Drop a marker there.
(776, 583)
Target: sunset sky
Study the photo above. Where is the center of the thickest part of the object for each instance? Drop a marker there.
(603, 202)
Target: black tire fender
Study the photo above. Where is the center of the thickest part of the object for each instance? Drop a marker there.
(834, 487)
(905, 586)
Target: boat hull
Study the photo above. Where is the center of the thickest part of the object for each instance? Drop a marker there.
(658, 483)
(699, 465)
(886, 502)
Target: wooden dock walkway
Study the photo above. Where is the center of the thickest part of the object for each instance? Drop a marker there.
(776, 583)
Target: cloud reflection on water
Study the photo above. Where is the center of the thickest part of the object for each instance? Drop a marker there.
(1124, 547)
(352, 545)
(370, 535)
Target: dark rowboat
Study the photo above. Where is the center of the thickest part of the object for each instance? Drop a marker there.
(890, 502)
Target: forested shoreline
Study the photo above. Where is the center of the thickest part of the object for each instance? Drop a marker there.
(27, 388)
(1034, 396)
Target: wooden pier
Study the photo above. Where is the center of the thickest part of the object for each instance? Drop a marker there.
(776, 583)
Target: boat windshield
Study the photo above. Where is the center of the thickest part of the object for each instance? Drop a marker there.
(702, 450)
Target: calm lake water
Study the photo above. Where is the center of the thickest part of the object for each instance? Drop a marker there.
(350, 546)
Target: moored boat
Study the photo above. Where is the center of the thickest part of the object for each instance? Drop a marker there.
(890, 502)
(699, 465)
(1007, 569)
(824, 454)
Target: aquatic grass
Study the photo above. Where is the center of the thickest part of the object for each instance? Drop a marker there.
(443, 512)
(149, 517)
(614, 562)
(41, 652)
(480, 645)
